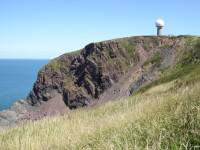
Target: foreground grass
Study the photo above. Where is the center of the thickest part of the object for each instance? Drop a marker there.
(163, 117)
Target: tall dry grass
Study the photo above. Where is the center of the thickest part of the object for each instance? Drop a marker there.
(163, 117)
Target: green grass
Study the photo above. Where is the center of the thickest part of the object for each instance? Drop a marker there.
(165, 46)
(55, 65)
(123, 63)
(189, 40)
(156, 60)
(146, 45)
(107, 55)
(191, 56)
(181, 74)
(187, 69)
(164, 69)
(66, 70)
(68, 83)
(111, 62)
(129, 45)
(89, 81)
(74, 53)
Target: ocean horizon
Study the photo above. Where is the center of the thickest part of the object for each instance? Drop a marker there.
(17, 77)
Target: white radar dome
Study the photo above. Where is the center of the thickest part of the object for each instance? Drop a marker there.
(159, 23)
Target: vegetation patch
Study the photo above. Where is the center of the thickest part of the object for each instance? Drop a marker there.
(129, 45)
(89, 81)
(189, 41)
(111, 62)
(185, 74)
(55, 65)
(164, 69)
(164, 46)
(186, 70)
(192, 56)
(68, 83)
(156, 60)
(90, 58)
(74, 53)
(197, 49)
(66, 70)
(122, 62)
(107, 54)
(146, 45)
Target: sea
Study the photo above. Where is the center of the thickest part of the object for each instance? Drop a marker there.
(17, 77)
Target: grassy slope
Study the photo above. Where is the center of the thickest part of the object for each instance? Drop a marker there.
(164, 115)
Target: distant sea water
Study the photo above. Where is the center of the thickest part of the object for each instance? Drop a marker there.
(17, 77)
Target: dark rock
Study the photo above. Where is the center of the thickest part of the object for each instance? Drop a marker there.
(32, 98)
(134, 86)
(76, 99)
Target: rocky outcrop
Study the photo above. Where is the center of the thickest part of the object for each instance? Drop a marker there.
(12, 115)
(84, 75)
(100, 72)
(133, 87)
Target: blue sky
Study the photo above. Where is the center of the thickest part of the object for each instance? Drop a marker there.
(48, 28)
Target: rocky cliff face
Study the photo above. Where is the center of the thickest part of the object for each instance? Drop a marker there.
(102, 72)
(82, 76)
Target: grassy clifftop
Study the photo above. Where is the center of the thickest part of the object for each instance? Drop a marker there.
(164, 114)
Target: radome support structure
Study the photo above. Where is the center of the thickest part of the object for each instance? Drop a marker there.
(159, 24)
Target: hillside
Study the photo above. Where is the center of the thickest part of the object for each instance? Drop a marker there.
(101, 72)
(162, 111)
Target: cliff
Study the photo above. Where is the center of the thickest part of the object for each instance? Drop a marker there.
(101, 72)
